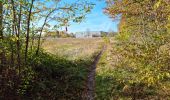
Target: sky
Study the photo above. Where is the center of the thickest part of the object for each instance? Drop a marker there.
(96, 20)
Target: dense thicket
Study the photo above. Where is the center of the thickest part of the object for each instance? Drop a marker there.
(142, 47)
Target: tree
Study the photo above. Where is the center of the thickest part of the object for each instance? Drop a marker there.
(19, 24)
(1, 19)
(1, 36)
(28, 29)
(141, 42)
(65, 14)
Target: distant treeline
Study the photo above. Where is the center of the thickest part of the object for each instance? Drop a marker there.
(63, 34)
(58, 34)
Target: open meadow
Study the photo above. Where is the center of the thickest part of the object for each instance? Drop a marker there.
(73, 48)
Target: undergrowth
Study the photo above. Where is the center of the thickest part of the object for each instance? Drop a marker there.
(47, 77)
(58, 77)
(119, 83)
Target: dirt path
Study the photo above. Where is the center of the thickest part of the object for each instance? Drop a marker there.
(90, 88)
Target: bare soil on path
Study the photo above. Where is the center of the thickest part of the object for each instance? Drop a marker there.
(89, 92)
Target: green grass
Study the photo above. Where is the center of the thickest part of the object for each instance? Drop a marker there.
(104, 79)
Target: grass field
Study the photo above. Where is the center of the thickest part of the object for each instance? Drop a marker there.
(73, 48)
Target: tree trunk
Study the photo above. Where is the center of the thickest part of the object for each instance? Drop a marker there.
(28, 30)
(16, 27)
(39, 38)
(2, 52)
(18, 40)
(1, 18)
(66, 29)
(12, 48)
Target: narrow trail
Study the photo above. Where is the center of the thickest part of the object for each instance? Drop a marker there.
(90, 85)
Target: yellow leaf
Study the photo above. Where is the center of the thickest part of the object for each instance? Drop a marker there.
(157, 4)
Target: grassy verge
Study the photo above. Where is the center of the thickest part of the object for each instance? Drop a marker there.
(104, 78)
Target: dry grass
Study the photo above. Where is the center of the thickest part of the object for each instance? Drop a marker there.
(73, 48)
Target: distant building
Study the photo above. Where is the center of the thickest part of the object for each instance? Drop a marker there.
(88, 34)
(85, 34)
